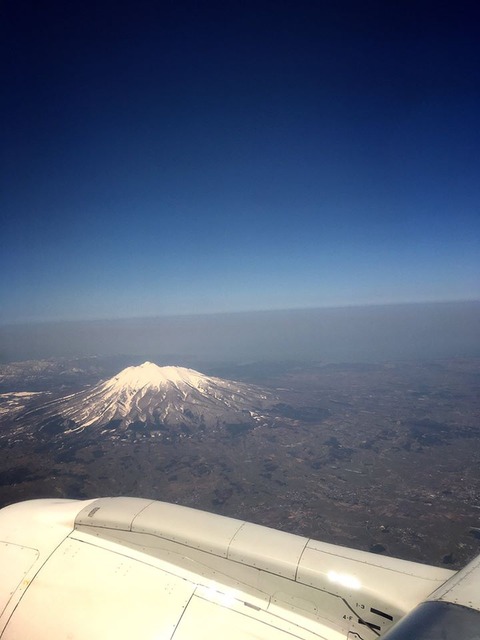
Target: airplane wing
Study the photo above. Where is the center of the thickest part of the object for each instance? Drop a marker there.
(132, 568)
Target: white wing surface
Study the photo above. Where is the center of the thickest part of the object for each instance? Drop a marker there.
(131, 568)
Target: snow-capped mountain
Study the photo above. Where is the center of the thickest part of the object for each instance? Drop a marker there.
(156, 397)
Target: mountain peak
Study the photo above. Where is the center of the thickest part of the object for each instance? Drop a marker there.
(149, 374)
(163, 398)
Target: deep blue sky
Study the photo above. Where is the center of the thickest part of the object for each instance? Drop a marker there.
(191, 157)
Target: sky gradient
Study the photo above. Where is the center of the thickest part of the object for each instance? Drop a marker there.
(165, 158)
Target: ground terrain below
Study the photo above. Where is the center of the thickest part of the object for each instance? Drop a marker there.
(382, 457)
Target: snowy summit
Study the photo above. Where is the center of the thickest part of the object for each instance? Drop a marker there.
(149, 374)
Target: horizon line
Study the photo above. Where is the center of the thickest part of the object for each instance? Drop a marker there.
(159, 316)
